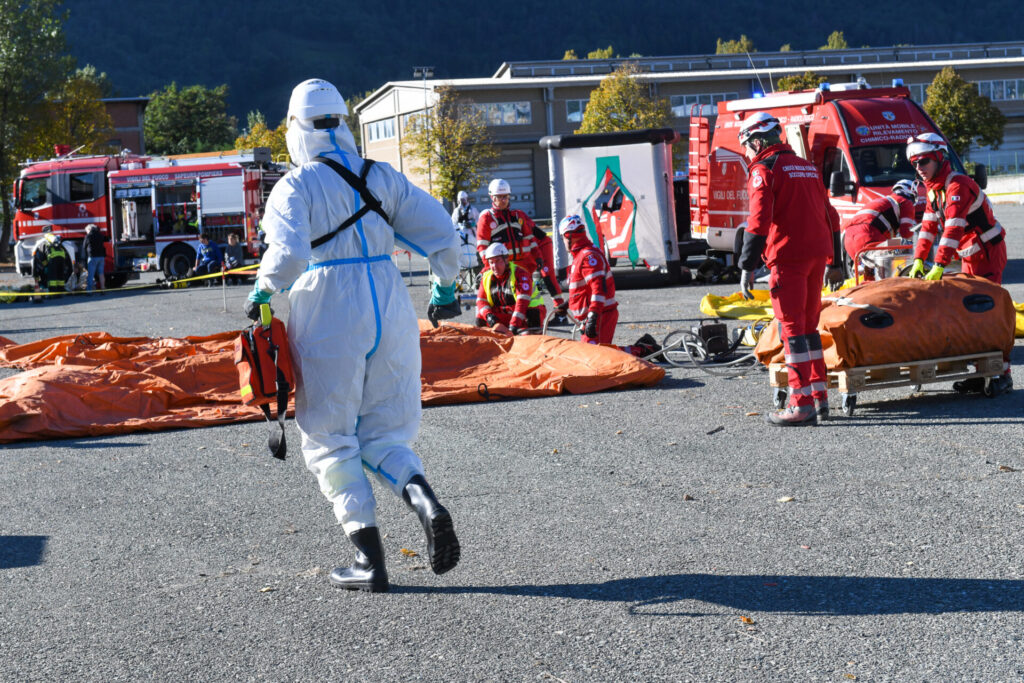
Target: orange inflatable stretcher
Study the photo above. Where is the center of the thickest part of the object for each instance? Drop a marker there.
(902, 319)
(95, 384)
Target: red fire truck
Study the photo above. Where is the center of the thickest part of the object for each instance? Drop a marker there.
(854, 134)
(151, 209)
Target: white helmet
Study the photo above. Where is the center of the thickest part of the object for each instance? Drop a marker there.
(927, 144)
(570, 224)
(906, 189)
(315, 124)
(498, 186)
(496, 249)
(462, 195)
(757, 123)
(315, 99)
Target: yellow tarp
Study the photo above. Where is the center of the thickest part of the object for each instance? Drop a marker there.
(736, 307)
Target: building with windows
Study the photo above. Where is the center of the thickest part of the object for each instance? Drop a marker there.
(127, 114)
(524, 101)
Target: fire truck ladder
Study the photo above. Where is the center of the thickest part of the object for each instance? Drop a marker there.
(700, 151)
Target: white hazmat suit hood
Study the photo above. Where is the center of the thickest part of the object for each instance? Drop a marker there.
(311, 102)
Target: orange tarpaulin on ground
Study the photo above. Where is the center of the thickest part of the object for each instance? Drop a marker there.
(94, 384)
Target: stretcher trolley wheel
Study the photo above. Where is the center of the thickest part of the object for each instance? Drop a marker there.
(779, 396)
(849, 404)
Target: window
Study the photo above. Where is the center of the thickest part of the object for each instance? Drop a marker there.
(574, 110)
(82, 186)
(33, 192)
(505, 113)
(1002, 90)
(701, 105)
(380, 130)
(413, 121)
(918, 91)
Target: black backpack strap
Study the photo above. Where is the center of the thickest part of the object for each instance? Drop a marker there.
(358, 183)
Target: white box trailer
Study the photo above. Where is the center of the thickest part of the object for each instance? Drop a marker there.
(621, 184)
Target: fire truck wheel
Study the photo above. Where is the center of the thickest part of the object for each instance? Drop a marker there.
(177, 259)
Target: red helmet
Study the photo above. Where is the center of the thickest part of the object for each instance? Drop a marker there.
(570, 224)
(930, 145)
(757, 124)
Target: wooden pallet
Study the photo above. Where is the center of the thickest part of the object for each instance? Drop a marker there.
(852, 381)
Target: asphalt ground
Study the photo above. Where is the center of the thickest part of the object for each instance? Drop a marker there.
(631, 535)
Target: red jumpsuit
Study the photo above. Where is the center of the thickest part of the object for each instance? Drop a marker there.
(969, 227)
(527, 245)
(592, 289)
(509, 299)
(879, 220)
(790, 212)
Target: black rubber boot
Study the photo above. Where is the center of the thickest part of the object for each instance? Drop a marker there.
(442, 545)
(1000, 385)
(367, 573)
(821, 410)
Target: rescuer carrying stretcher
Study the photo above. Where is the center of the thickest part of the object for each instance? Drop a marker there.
(879, 220)
(960, 216)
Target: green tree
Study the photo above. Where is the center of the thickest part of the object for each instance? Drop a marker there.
(963, 115)
(606, 53)
(835, 41)
(808, 80)
(452, 144)
(193, 119)
(258, 134)
(72, 115)
(352, 118)
(622, 101)
(786, 48)
(741, 46)
(569, 55)
(32, 63)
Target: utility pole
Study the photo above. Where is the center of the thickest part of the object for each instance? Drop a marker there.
(426, 72)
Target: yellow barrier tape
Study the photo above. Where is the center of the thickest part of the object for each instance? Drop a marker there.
(10, 296)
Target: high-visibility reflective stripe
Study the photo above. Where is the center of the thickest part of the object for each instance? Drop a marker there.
(795, 358)
(519, 315)
(819, 386)
(801, 391)
(929, 236)
(947, 242)
(956, 223)
(969, 251)
(597, 297)
(992, 233)
(866, 212)
(929, 216)
(815, 354)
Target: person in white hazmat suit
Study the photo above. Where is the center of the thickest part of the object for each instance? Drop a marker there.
(352, 329)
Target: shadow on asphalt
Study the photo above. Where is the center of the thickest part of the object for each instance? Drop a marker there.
(21, 551)
(801, 595)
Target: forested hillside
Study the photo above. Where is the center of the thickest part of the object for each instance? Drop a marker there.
(261, 48)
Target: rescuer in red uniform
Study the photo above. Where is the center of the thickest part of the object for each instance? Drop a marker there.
(592, 291)
(879, 220)
(961, 217)
(792, 221)
(528, 246)
(506, 300)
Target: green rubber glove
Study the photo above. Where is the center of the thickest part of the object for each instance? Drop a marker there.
(916, 270)
(935, 273)
(257, 297)
(442, 295)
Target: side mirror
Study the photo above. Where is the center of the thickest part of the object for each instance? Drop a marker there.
(837, 184)
(981, 175)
